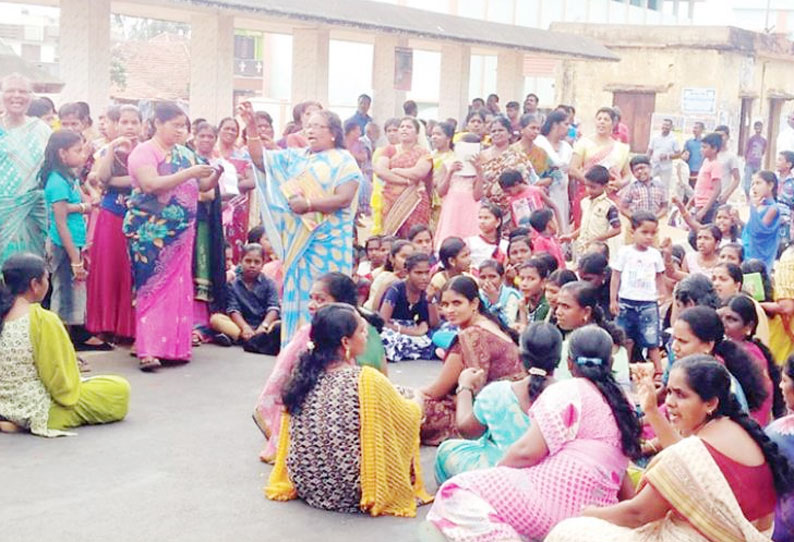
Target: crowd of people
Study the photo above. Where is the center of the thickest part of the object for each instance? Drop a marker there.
(599, 380)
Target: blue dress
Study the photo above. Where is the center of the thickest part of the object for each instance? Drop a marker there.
(760, 240)
(781, 432)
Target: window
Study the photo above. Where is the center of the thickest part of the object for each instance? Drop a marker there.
(244, 47)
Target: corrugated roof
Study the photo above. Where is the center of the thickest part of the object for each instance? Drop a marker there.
(382, 17)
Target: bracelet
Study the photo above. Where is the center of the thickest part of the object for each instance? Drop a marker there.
(253, 138)
(462, 388)
(77, 265)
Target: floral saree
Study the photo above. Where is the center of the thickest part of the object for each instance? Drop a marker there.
(612, 156)
(312, 244)
(406, 206)
(160, 230)
(23, 214)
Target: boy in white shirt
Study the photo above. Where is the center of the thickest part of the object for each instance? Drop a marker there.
(636, 283)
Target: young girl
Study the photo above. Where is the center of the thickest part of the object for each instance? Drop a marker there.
(531, 283)
(519, 250)
(732, 253)
(40, 386)
(422, 238)
(67, 233)
(393, 270)
(409, 314)
(488, 245)
(554, 283)
(726, 219)
(499, 299)
(455, 259)
(706, 257)
(498, 416)
(761, 234)
(740, 321)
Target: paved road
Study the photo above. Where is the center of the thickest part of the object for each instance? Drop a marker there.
(182, 467)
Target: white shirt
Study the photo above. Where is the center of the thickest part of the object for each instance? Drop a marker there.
(663, 145)
(638, 270)
(785, 139)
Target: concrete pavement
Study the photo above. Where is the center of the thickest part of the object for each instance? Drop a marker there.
(183, 466)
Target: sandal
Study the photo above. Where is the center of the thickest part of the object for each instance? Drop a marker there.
(83, 365)
(149, 364)
(197, 338)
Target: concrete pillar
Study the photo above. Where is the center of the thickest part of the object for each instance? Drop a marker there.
(510, 76)
(454, 93)
(386, 101)
(211, 70)
(310, 65)
(84, 52)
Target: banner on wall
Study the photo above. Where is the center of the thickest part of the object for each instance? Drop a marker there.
(699, 101)
(403, 68)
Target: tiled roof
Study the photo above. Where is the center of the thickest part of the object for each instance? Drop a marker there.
(157, 69)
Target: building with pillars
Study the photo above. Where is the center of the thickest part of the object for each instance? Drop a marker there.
(313, 31)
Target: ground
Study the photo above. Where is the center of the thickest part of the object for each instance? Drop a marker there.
(182, 466)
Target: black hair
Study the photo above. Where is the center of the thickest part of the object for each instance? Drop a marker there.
(714, 230)
(254, 247)
(521, 231)
(599, 247)
(492, 264)
(540, 218)
(343, 289)
(59, 140)
(561, 277)
(165, 111)
(597, 174)
(350, 125)
(415, 259)
(769, 177)
(734, 246)
(723, 128)
(504, 121)
(609, 111)
(18, 270)
(510, 178)
(330, 325)
(416, 229)
(639, 159)
(255, 234)
(538, 265)
(449, 131)
(590, 349)
(555, 117)
(679, 252)
(497, 212)
(475, 113)
(541, 347)
(788, 156)
(40, 107)
(467, 287)
(706, 325)
(639, 217)
(450, 248)
(710, 380)
(586, 295)
(518, 239)
(696, 289)
(335, 127)
(549, 260)
(512, 105)
(71, 109)
(734, 231)
(528, 118)
(743, 305)
(754, 265)
(396, 246)
(712, 140)
(373, 239)
(394, 121)
(733, 270)
(593, 263)
(264, 115)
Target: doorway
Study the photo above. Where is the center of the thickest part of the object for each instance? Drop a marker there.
(636, 109)
(772, 129)
(745, 119)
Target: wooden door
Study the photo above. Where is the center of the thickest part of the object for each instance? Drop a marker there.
(772, 129)
(636, 108)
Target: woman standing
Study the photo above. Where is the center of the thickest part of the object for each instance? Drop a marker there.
(525, 156)
(308, 208)
(599, 149)
(493, 165)
(391, 129)
(443, 157)
(23, 214)
(160, 229)
(718, 484)
(407, 183)
(582, 434)
(552, 140)
(109, 308)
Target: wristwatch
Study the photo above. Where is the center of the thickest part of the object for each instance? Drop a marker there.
(461, 388)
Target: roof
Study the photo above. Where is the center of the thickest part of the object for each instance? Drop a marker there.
(156, 69)
(381, 17)
(10, 62)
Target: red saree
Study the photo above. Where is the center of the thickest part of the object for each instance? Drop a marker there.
(406, 206)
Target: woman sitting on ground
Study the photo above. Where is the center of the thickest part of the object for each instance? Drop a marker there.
(718, 484)
(40, 386)
(482, 343)
(575, 453)
(349, 441)
(331, 288)
(497, 418)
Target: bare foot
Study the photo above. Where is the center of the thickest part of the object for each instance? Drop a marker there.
(9, 427)
(149, 364)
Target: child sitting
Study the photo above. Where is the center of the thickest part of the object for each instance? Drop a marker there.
(272, 268)
(600, 217)
(554, 283)
(594, 268)
(636, 282)
(375, 257)
(455, 259)
(531, 283)
(645, 193)
(499, 299)
(41, 390)
(488, 245)
(253, 307)
(523, 197)
(544, 235)
(519, 250)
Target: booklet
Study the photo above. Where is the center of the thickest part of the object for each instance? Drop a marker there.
(465, 153)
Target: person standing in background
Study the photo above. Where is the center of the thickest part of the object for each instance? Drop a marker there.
(662, 150)
(754, 152)
(691, 154)
(729, 163)
(361, 116)
(785, 139)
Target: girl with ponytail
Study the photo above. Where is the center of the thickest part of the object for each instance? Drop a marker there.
(498, 416)
(582, 433)
(723, 449)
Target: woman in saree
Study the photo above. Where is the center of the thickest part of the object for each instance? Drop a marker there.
(718, 484)
(527, 157)
(781, 432)
(349, 442)
(497, 417)
(481, 343)
(443, 157)
(109, 309)
(40, 385)
(599, 149)
(552, 140)
(330, 288)
(23, 214)
(581, 436)
(160, 226)
(391, 129)
(309, 202)
(493, 165)
(209, 270)
(405, 170)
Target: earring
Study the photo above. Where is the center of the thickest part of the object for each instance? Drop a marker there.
(347, 353)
